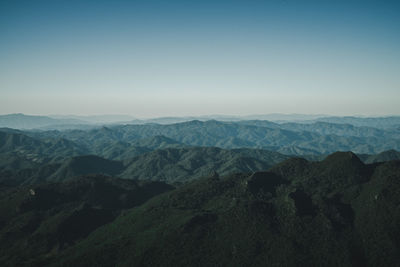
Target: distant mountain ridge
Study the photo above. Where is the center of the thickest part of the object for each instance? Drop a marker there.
(383, 156)
(318, 138)
(122, 142)
(22, 121)
(376, 122)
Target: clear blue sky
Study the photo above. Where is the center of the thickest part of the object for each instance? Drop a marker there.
(160, 58)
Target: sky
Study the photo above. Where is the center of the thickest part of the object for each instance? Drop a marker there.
(180, 58)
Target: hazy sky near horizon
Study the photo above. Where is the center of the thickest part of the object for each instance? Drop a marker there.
(167, 58)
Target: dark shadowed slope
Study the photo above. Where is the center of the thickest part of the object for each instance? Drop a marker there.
(83, 165)
(42, 220)
(384, 156)
(338, 212)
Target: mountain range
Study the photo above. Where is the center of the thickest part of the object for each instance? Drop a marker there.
(288, 138)
(229, 192)
(28, 160)
(335, 212)
(23, 121)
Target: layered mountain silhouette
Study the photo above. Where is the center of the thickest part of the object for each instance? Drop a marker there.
(30, 160)
(123, 141)
(62, 122)
(317, 138)
(200, 193)
(21, 121)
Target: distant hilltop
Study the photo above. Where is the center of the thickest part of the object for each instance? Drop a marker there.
(62, 122)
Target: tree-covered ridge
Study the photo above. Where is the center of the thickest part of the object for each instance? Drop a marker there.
(337, 212)
(300, 139)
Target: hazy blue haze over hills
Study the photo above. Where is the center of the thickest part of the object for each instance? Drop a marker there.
(377, 122)
(140, 152)
(122, 141)
(21, 121)
(62, 122)
(320, 138)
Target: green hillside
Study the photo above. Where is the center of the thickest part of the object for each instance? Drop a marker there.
(38, 221)
(170, 165)
(184, 164)
(338, 212)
